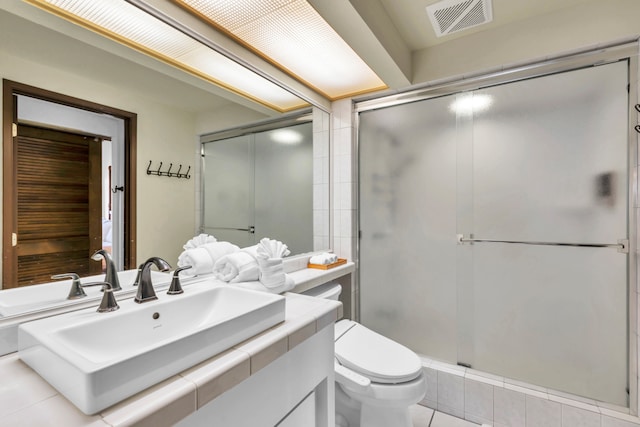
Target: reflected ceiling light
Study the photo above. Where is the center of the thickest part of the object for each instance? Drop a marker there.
(293, 36)
(127, 24)
(286, 136)
(469, 103)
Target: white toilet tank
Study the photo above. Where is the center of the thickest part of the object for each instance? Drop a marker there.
(329, 290)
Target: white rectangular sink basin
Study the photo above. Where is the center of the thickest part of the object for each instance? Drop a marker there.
(98, 359)
(54, 294)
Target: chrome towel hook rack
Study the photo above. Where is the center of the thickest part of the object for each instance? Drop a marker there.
(168, 172)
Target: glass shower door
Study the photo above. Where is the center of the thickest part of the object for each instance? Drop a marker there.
(542, 161)
(407, 220)
(283, 183)
(228, 188)
(550, 166)
(260, 185)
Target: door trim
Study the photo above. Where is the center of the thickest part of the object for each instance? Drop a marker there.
(9, 220)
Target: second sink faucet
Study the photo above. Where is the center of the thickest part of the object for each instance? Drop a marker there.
(145, 287)
(112, 273)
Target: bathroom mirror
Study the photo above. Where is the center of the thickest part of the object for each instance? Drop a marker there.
(46, 52)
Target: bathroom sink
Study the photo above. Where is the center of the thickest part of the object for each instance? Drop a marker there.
(98, 359)
(54, 294)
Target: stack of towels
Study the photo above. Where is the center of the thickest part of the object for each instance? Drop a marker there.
(202, 252)
(256, 267)
(324, 258)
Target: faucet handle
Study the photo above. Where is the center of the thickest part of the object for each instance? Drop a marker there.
(76, 290)
(108, 302)
(176, 287)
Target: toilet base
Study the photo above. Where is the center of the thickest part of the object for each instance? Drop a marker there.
(369, 411)
(351, 415)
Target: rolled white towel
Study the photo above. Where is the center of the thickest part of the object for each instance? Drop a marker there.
(219, 249)
(324, 258)
(198, 241)
(199, 259)
(240, 266)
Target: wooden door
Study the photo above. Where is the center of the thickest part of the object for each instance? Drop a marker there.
(58, 192)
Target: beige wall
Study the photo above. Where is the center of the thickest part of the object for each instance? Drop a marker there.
(587, 25)
(165, 205)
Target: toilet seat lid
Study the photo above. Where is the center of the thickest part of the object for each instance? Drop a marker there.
(375, 356)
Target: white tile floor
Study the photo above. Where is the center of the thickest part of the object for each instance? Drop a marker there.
(427, 417)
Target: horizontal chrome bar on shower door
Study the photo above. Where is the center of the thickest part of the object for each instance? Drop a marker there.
(251, 229)
(622, 246)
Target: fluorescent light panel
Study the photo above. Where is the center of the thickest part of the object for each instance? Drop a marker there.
(135, 28)
(293, 36)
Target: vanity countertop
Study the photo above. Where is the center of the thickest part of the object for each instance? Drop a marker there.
(27, 399)
(308, 278)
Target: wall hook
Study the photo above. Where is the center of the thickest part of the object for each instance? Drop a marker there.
(637, 106)
(168, 173)
(637, 128)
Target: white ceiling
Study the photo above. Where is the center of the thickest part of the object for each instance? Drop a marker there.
(412, 23)
(385, 33)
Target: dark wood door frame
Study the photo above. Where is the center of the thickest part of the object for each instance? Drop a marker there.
(9, 220)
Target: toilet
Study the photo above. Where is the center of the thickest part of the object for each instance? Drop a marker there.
(377, 379)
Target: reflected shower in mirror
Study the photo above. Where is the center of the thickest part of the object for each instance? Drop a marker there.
(261, 180)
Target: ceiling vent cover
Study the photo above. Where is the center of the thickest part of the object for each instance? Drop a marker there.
(450, 16)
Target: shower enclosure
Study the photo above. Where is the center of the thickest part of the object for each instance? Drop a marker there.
(257, 183)
(495, 228)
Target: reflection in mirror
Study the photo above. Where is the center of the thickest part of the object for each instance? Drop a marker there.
(44, 51)
(259, 183)
(58, 167)
(63, 216)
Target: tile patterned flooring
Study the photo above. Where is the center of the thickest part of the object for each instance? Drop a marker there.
(427, 417)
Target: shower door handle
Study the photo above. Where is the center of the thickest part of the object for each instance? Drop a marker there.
(622, 246)
(251, 229)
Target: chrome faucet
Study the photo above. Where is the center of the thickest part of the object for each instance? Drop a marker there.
(76, 290)
(145, 287)
(108, 302)
(112, 273)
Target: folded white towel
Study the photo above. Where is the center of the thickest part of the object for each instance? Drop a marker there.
(199, 259)
(198, 241)
(219, 249)
(240, 266)
(269, 248)
(324, 258)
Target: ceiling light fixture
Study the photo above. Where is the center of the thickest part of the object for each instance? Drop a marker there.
(128, 25)
(294, 37)
(286, 136)
(470, 103)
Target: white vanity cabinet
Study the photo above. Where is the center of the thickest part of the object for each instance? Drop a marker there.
(281, 377)
(297, 386)
(302, 415)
